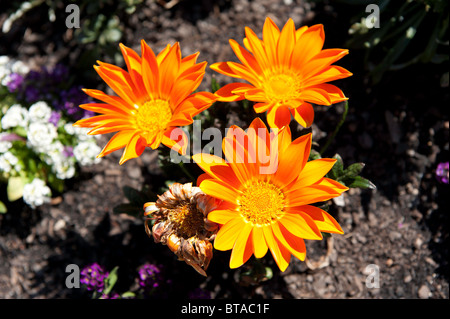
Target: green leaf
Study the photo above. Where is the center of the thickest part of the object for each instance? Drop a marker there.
(354, 169)
(338, 168)
(134, 196)
(360, 182)
(128, 294)
(214, 85)
(129, 209)
(3, 208)
(111, 280)
(15, 188)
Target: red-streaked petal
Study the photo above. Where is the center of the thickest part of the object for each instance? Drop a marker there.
(279, 116)
(225, 93)
(278, 251)
(301, 225)
(304, 114)
(243, 247)
(219, 189)
(324, 221)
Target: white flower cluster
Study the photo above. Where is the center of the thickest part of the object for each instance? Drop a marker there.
(8, 66)
(36, 193)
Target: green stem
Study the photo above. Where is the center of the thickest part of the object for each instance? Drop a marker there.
(336, 130)
(185, 171)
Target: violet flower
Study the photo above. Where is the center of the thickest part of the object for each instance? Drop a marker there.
(442, 172)
(93, 277)
(150, 276)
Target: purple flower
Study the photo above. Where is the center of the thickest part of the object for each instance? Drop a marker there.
(15, 81)
(93, 277)
(150, 276)
(442, 172)
(32, 94)
(111, 296)
(55, 116)
(67, 151)
(199, 293)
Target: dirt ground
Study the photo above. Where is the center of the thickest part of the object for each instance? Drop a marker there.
(399, 129)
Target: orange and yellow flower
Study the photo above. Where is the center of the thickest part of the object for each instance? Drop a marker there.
(154, 98)
(287, 71)
(264, 211)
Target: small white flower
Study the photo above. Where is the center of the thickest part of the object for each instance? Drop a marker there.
(39, 112)
(41, 135)
(86, 153)
(15, 116)
(4, 145)
(64, 169)
(69, 128)
(20, 67)
(36, 193)
(8, 162)
(54, 153)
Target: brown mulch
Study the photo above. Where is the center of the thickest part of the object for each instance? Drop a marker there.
(399, 129)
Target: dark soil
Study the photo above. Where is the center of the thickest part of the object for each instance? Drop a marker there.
(399, 129)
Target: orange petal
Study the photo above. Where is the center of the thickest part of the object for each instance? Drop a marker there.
(294, 244)
(219, 189)
(118, 141)
(225, 93)
(168, 70)
(308, 45)
(259, 243)
(292, 160)
(257, 48)
(150, 69)
(308, 195)
(109, 99)
(224, 213)
(315, 170)
(279, 253)
(301, 225)
(279, 116)
(322, 60)
(223, 68)
(228, 233)
(217, 168)
(304, 114)
(243, 247)
(335, 94)
(329, 74)
(286, 43)
(246, 58)
(324, 221)
(133, 149)
(271, 33)
(315, 95)
(176, 139)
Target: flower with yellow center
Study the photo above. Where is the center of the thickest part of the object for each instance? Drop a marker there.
(267, 209)
(154, 98)
(286, 70)
(181, 224)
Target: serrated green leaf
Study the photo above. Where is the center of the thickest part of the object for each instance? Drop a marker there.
(14, 189)
(111, 280)
(360, 182)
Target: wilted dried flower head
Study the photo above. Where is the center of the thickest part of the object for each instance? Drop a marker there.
(181, 224)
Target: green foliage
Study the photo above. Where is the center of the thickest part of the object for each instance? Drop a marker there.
(410, 32)
(350, 176)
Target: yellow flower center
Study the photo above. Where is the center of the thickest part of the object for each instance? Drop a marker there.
(153, 116)
(261, 203)
(187, 220)
(281, 87)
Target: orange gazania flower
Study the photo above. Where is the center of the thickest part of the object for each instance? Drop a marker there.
(154, 99)
(287, 71)
(262, 212)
